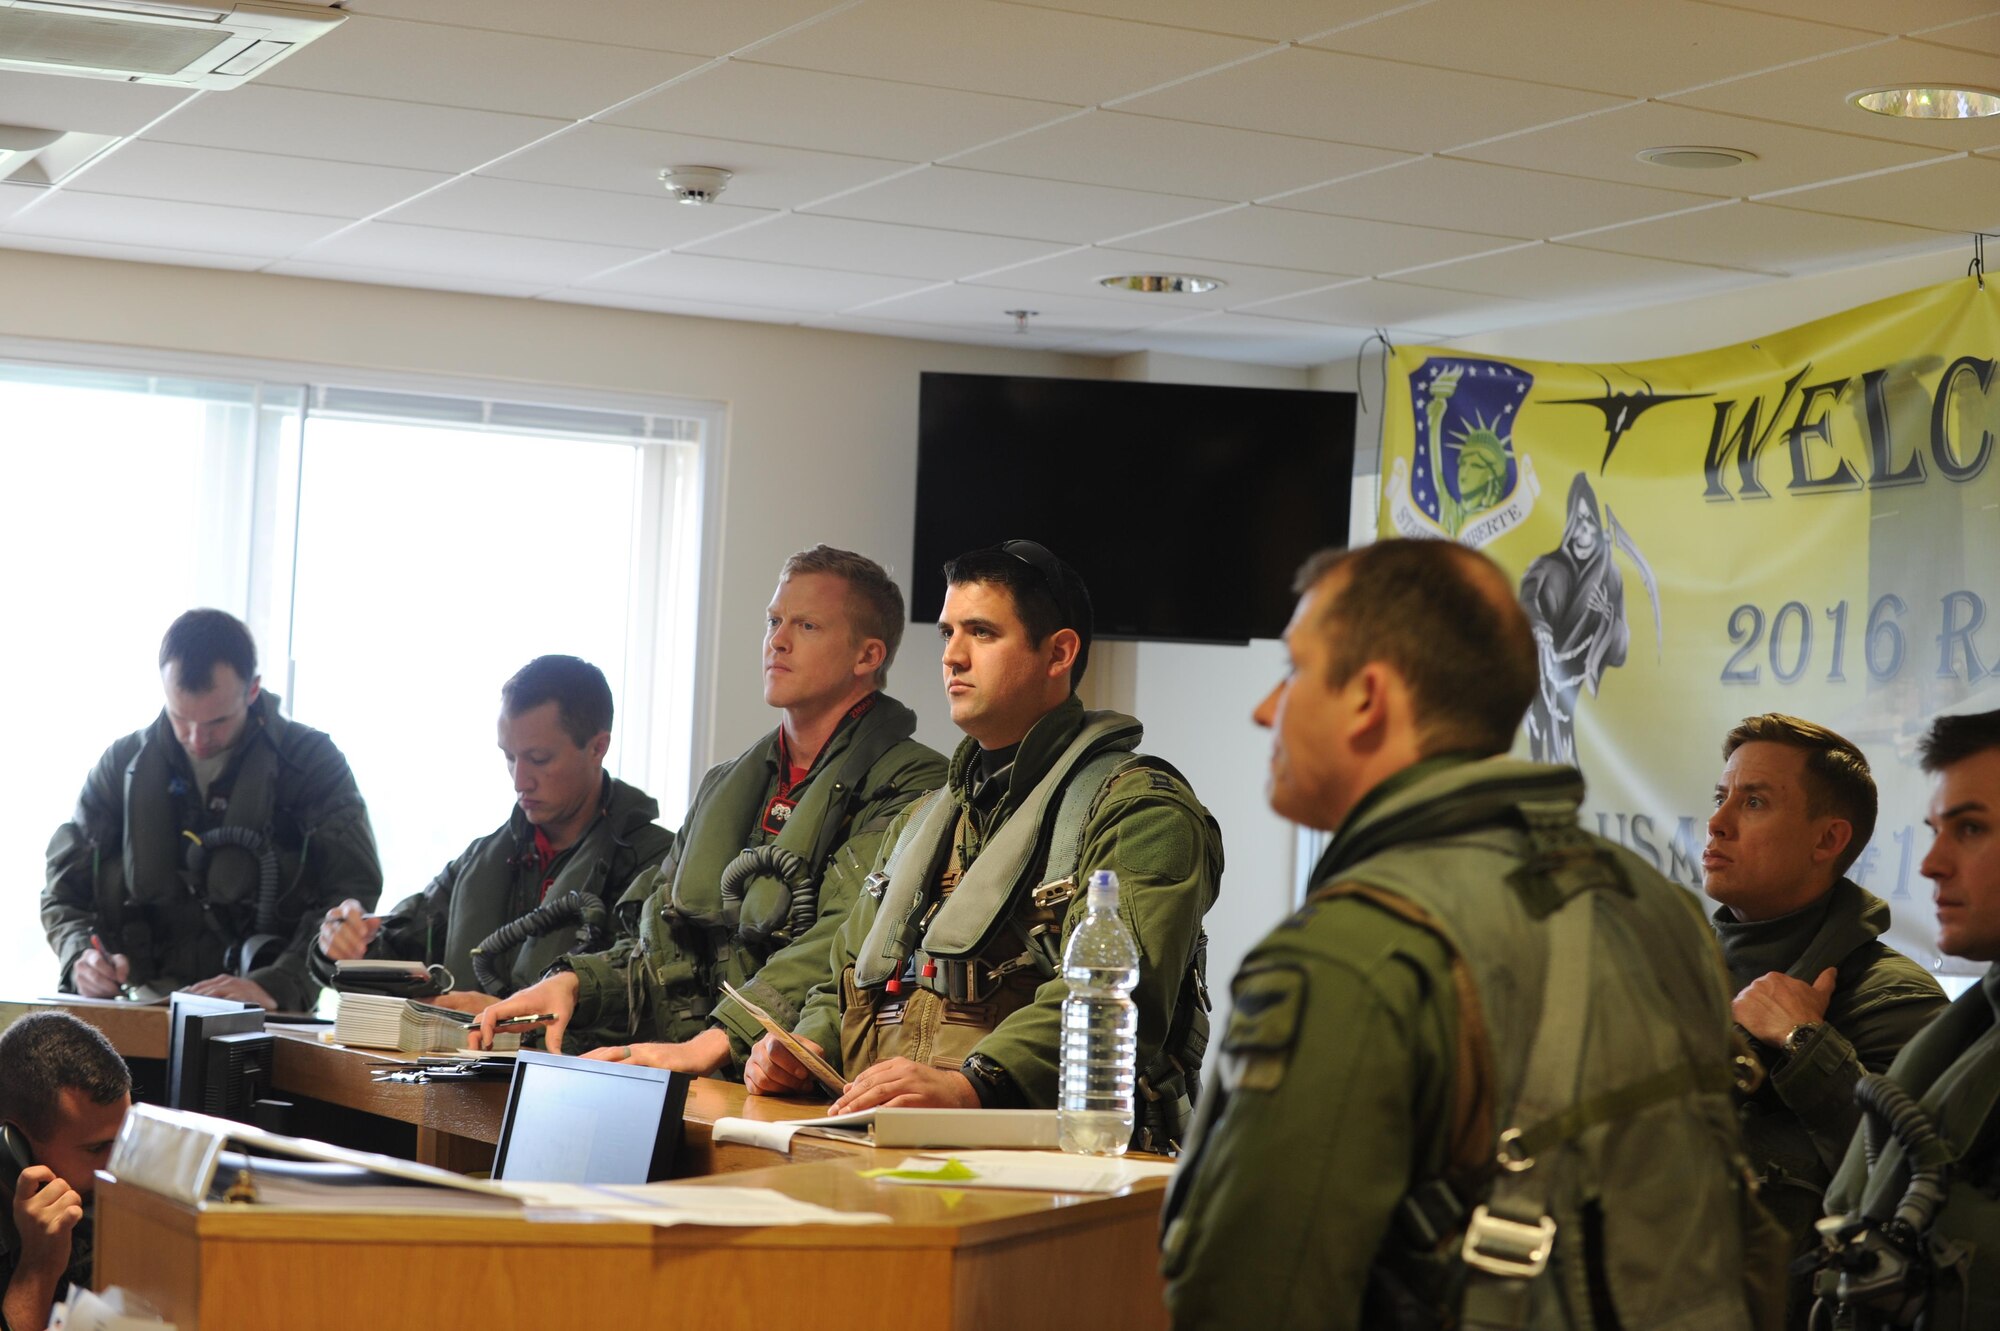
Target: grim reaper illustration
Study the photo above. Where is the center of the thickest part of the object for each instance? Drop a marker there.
(1575, 599)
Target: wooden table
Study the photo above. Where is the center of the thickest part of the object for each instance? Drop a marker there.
(136, 1030)
(971, 1259)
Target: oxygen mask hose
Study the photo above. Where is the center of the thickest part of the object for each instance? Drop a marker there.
(200, 849)
(788, 868)
(588, 911)
(1884, 1265)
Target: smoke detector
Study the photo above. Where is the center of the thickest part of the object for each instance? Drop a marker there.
(695, 185)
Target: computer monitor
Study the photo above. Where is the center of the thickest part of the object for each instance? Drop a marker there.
(575, 1120)
(218, 1056)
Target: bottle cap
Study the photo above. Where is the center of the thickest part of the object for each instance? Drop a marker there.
(1103, 890)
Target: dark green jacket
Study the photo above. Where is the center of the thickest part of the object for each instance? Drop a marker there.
(116, 867)
(664, 983)
(1149, 828)
(1952, 1069)
(1339, 1083)
(1797, 1126)
(496, 880)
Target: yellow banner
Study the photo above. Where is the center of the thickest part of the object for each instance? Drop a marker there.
(1808, 523)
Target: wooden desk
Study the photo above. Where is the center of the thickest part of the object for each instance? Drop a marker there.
(968, 1259)
(135, 1030)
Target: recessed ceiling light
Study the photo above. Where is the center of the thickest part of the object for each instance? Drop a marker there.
(1929, 103)
(1690, 157)
(1179, 284)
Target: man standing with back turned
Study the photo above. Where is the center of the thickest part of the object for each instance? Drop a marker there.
(1820, 995)
(1480, 1079)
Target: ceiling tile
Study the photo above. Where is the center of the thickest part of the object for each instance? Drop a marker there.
(557, 212)
(872, 247)
(804, 108)
(1266, 20)
(1607, 146)
(741, 282)
(708, 27)
(1955, 194)
(698, 309)
(1815, 94)
(1631, 50)
(1373, 303)
(609, 157)
(486, 71)
(1247, 337)
(333, 128)
(1354, 99)
(1499, 200)
(436, 250)
(1980, 34)
(1315, 242)
(1076, 273)
(1771, 240)
(1174, 156)
(1013, 206)
(1014, 51)
(1566, 273)
(165, 224)
(986, 307)
(13, 198)
(250, 180)
(1878, 16)
(403, 277)
(86, 106)
(91, 249)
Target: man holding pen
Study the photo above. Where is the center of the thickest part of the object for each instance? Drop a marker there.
(574, 828)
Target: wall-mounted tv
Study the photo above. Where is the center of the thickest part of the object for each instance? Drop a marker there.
(1187, 509)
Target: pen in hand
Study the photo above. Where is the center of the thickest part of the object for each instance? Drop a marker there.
(531, 1019)
(97, 946)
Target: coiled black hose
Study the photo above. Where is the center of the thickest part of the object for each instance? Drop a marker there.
(784, 865)
(249, 839)
(1890, 1105)
(587, 910)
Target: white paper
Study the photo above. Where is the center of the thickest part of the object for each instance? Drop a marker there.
(750, 1132)
(1037, 1171)
(678, 1204)
(113, 1310)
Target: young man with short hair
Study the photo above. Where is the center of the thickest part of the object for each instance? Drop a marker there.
(1951, 1070)
(917, 1018)
(158, 880)
(574, 828)
(63, 1096)
(1821, 997)
(771, 854)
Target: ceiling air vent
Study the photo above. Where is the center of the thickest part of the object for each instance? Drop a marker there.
(213, 46)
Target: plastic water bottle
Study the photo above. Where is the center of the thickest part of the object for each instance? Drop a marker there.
(1100, 1029)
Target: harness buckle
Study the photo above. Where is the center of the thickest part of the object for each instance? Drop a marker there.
(876, 884)
(1512, 1156)
(1503, 1247)
(1050, 895)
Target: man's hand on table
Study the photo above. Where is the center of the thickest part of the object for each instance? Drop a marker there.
(772, 1070)
(555, 994)
(707, 1053)
(238, 988)
(899, 1083)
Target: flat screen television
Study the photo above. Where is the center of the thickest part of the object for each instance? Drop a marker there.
(1186, 509)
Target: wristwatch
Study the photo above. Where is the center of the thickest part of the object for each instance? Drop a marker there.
(1797, 1038)
(993, 1084)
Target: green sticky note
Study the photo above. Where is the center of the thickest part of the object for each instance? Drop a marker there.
(951, 1171)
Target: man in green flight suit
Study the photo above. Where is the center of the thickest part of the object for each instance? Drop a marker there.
(1480, 1078)
(1927, 1252)
(1821, 997)
(205, 848)
(945, 985)
(574, 829)
(771, 855)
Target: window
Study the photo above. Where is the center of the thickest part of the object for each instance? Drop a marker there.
(397, 554)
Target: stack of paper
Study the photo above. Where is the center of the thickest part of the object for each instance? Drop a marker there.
(379, 1022)
(678, 1204)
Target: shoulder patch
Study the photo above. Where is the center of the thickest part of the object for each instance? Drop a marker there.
(1267, 1009)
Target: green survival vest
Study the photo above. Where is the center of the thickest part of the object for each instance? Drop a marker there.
(1592, 1130)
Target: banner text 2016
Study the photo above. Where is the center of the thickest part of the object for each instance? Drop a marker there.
(1791, 641)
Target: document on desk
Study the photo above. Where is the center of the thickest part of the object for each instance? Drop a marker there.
(821, 1070)
(677, 1204)
(112, 1310)
(1029, 1129)
(1025, 1171)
